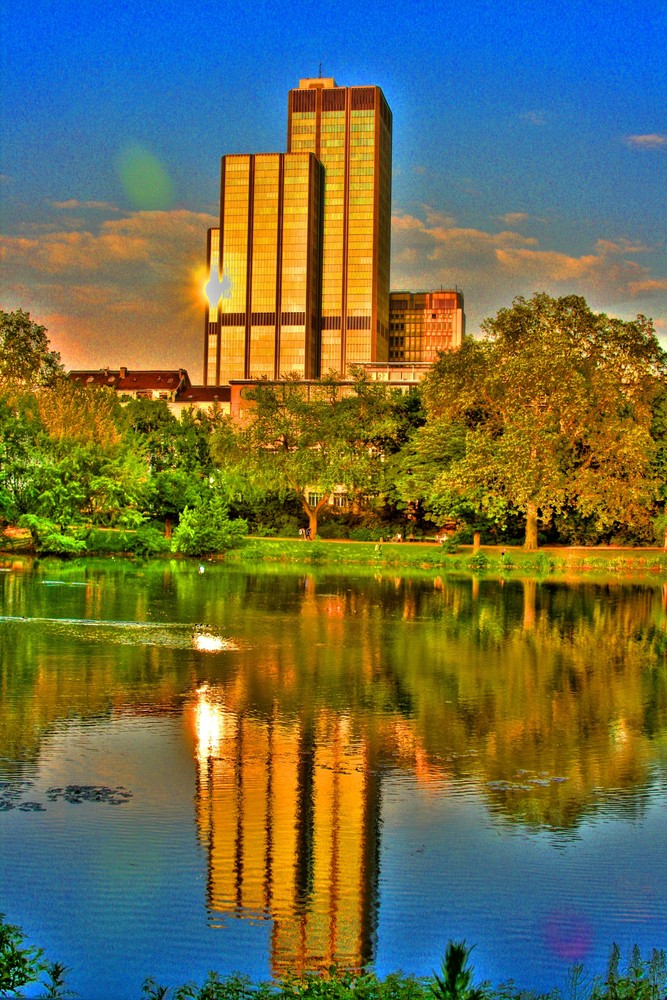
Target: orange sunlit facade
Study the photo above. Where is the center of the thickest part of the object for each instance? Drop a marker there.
(299, 266)
(424, 323)
(264, 262)
(350, 130)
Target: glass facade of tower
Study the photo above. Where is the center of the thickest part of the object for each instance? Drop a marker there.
(349, 130)
(267, 255)
(301, 257)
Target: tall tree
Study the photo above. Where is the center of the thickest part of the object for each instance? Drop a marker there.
(556, 402)
(26, 360)
(310, 438)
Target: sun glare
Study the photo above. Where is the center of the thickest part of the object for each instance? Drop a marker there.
(208, 643)
(209, 726)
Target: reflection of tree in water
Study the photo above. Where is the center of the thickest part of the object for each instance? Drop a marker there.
(545, 682)
(552, 699)
(536, 680)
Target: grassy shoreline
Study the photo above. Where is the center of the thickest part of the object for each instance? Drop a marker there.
(560, 563)
(489, 560)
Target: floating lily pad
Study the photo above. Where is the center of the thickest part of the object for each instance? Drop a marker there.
(76, 794)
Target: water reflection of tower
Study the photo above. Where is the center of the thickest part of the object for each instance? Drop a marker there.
(289, 813)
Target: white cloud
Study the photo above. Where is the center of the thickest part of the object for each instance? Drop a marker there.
(652, 140)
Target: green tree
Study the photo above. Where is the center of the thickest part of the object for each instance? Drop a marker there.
(156, 429)
(308, 438)
(26, 360)
(91, 469)
(207, 527)
(556, 404)
(659, 435)
(21, 431)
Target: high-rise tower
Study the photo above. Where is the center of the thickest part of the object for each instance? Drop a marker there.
(300, 263)
(267, 255)
(349, 130)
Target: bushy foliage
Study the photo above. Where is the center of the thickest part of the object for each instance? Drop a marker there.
(19, 965)
(207, 528)
(47, 537)
(146, 540)
(22, 965)
(642, 979)
(578, 446)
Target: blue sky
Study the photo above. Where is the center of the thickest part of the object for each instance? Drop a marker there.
(530, 152)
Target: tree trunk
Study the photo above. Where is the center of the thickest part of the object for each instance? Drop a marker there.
(476, 541)
(313, 512)
(168, 525)
(530, 544)
(529, 602)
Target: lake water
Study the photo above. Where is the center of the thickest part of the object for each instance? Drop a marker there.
(272, 770)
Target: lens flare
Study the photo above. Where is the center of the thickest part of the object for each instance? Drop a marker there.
(145, 181)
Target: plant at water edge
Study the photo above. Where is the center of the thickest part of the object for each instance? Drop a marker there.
(455, 983)
(206, 528)
(18, 965)
(56, 988)
(478, 563)
(21, 965)
(643, 979)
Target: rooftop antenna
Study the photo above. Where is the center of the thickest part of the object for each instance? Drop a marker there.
(320, 72)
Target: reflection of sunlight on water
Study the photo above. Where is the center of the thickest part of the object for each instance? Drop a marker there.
(208, 643)
(210, 725)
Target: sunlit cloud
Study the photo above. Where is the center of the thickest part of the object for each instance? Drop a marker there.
(653, 140)
(649, 285)
(430, 250)
(621, 246)
(519, 218)
(126, 288)
(109, 294)
(514, 218)
(74, 204)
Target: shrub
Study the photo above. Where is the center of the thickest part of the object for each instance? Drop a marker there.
(362, 534)
(206, 528)
(48, 537)
(150, 541)
(541, 563)
(478, 563)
